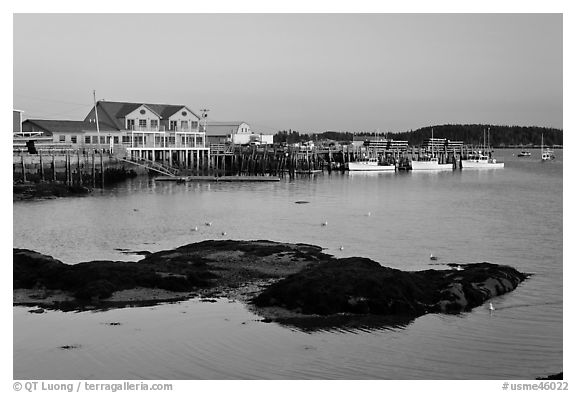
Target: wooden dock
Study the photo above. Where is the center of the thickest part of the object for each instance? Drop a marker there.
(183, 179)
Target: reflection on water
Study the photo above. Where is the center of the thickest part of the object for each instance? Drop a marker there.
(511, 216)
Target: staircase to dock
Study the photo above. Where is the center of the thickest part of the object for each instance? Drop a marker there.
(152, 165)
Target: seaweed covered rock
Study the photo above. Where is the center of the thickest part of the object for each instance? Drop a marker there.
(214, 265)
(98, 279)
(362, 286)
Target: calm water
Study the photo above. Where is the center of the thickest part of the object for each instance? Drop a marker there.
(511, 216)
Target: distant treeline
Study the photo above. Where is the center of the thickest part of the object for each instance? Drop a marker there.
(473, 134)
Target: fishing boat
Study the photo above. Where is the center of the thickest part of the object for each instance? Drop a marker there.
(546, 154)
(370, 164)
(480, 160)
(524, 153)
(432, 163)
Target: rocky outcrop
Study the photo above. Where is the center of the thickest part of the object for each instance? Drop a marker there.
(297, 278)
(206, 266)
(362, 286)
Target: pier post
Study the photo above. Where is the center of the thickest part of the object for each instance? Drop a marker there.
(53, 167)
(41, 165)
(102, 168)
(66, 175)
(93, 170)
(79, 169)
(23, 168)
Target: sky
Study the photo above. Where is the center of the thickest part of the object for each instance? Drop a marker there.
(305, 72)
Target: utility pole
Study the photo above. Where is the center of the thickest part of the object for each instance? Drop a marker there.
(204, 116)
(96, 112)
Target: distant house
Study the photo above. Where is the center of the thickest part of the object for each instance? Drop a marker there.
(236, 132)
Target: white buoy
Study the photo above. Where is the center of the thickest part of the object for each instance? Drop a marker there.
(325, 223)
(223, 233)
(369, 214)
(195, 229)
(491, 307)
(208, 224)
(432, 257)
(341, 248)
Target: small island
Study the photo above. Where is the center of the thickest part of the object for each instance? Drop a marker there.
(283, 282)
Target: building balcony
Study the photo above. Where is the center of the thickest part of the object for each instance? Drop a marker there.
(162, 128)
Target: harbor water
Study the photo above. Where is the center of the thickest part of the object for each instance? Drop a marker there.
(510, 216)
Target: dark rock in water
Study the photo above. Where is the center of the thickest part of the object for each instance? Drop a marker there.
(559, 376)
(281, 280)
(301, 202)
(214, 265)
(363, 286)
(37, 311)
(74, 346)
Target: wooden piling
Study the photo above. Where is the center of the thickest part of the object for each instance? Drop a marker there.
(41, 166)
(102, 168)
(93, 170)
(53, 167)
(79, 168)
(23, 169)
(66, 169)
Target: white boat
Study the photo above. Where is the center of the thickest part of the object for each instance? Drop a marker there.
(524, 153)
(546, 154)
(370, 164)
(432, 164)
(479, 160)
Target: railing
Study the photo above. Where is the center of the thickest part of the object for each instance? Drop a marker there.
(162, 128)
(152, 165)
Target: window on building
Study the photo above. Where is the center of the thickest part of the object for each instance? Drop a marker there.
(173, 125)
(74, 139)
(94, 140)
(130, 124)
(154, 124)
(184, 125)
(142, 123)
(115, 140)
(62, 138)
(125, 139)
(194, 124)
(102, 140)
(87, 139)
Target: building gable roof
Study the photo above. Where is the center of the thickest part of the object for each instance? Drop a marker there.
(116, 111)
(149, 107)
(66, 126)
(220, 128)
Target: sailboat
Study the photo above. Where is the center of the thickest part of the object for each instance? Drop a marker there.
(432, 164)
(546, 154)
(480, 160)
